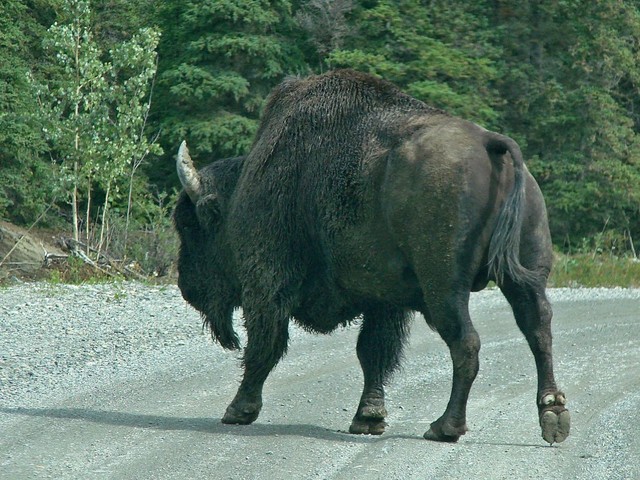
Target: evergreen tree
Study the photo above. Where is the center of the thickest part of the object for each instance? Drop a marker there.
(25, 172)
(219, 60)
(572, 85)
(117, 21)
(441, 53)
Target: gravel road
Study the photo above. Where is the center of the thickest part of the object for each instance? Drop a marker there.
(120, 382)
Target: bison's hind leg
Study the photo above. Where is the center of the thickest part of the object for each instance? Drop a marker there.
(533, 315)
(449, 314)
(382, 337)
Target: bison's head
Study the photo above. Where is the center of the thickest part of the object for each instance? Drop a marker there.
(206, 273)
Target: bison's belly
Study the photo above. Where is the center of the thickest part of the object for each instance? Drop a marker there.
(329, 300)
(324, 305)
(382, 281)
(371, 268)
(368, 265)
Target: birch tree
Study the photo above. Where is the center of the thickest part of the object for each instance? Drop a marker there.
(97, 104)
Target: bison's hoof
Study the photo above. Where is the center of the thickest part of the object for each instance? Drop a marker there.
(369, 420)
(363, 426)
(243, 416)
(555, 419)
(440, 437)
(440, 432)
(555, 426)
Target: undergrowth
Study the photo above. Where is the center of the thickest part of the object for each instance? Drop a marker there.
(595, 270)
(578, 270)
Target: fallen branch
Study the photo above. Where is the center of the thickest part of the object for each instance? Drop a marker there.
(78, 249)
(83, 256)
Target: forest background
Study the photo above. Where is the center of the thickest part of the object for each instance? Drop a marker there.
(95, 97)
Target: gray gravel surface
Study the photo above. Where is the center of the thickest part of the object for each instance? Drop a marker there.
(119, 381)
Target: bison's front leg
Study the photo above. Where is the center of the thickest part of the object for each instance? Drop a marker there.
(267, 338)
(379, 349)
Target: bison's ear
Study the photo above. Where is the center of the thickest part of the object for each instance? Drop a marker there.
(208, 210)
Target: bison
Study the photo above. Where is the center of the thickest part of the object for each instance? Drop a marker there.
(359, 201)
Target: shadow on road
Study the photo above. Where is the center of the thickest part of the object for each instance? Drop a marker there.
(214, 426)
(205, 425)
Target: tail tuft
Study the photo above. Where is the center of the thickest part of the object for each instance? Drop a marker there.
(220, 323)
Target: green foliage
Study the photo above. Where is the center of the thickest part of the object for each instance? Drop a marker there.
(573, 90)
(25, 173)
(561, 77)
(75, 272)
(73, 98)
(212, 88)
(589, 270)
(440, 54)
(129, 78)
(96, 107)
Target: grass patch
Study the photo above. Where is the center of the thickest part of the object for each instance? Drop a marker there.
(600, 270)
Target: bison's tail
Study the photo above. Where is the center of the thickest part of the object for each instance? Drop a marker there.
(504, 248)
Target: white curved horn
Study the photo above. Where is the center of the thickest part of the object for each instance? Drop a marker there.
(189, 177)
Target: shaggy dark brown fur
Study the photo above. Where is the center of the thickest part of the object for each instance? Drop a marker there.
(357, 199)
(207, 277)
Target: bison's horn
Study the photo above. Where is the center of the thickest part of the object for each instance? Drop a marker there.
(188, 174)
